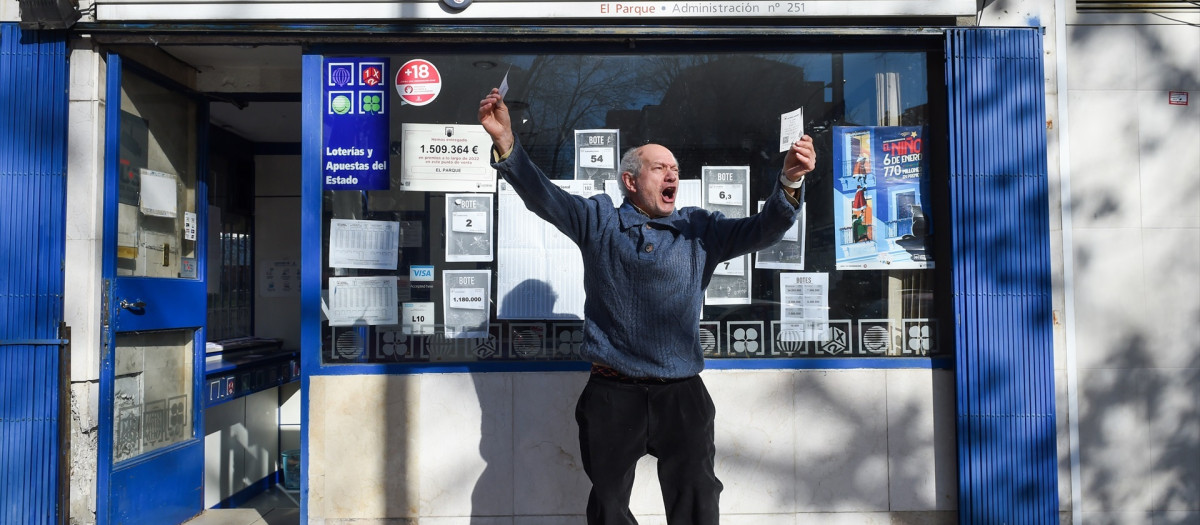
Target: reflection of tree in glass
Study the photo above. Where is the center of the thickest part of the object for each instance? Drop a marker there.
(569, 92)
(666, 98)
(659, 72)
(730, 103)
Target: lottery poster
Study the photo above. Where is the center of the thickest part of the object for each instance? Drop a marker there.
(726, 189)
(361, 301)
(469, 228)
(788, 253)
(880, 198)
(596, 155)
(804, 308)
(467, 299)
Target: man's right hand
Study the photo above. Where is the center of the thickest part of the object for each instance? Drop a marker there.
(493, 114)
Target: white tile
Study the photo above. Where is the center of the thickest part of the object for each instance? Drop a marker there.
(1101, 57)
(349, 521)
(841, 440)
(468, 520)
(1113, 435)
(1105, 186)
(1110, 303)
(1169, 164)
(548, 473)
(566, 519)
(1116, 517)
(1168, 57)
(1174, 443)
(315, 455)
(646, 500)
(85, 187)
(466, 445)
(925, 518)
(754, 437)
(651, 519)
(921, 444)
(1131, 18)
(10, 11)
(758, 519)
(362, 431)
(85, 67)
(846, 518)
(1175, 517)
(81, 306)
(1172, 285)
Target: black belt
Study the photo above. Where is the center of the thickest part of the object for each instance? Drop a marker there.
(610, 374)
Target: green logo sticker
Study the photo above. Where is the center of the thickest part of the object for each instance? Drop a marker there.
(372, 104)
(340, 104)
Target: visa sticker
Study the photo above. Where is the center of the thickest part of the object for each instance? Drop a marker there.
(420, 273)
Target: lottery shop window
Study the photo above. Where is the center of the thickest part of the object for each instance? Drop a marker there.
(469, 275)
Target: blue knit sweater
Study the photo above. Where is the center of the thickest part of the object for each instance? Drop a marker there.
(644, 278)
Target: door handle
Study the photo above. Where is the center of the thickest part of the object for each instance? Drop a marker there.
(136, 305)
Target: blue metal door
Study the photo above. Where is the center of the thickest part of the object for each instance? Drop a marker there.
(151, 446)
(33, 139)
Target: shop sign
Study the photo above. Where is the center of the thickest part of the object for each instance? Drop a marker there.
(356, 11)
(354, 145)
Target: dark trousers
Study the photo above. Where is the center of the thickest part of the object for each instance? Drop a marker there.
(619, 422)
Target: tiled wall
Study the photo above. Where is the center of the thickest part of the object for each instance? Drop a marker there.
(1135, 194)
(841, 446)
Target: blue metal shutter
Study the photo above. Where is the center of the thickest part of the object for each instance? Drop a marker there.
(33, 139)
(1001, 277)
(1002, 296)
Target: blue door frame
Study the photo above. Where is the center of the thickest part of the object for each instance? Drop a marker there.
(166, 485)
(33, 118)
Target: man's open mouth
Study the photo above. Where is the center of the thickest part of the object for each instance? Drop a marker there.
(668, 194)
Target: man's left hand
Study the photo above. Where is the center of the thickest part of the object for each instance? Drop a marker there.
(800, 159)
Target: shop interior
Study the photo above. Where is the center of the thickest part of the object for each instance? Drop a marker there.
(251, 393)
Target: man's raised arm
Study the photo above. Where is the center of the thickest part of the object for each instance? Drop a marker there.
(493, 115)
